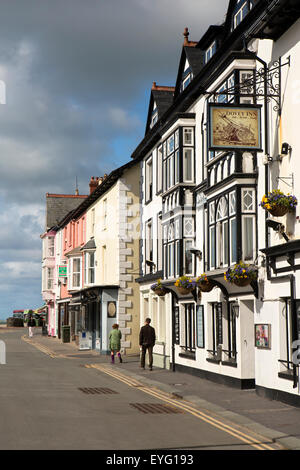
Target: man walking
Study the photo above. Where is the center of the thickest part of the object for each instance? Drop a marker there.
(147, 341)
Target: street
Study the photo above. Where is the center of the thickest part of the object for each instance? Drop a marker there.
(55, 402)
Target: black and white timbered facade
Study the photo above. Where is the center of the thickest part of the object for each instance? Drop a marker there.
(201, 208)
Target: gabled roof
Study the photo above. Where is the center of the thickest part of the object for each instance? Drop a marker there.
(163, 97)
(59, 205)
(102, 188)
(195, 58)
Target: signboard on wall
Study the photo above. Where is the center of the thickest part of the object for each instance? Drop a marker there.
(234, 127)
(62, 271)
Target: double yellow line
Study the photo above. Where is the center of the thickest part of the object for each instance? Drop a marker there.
(257, 442)
(41, 348)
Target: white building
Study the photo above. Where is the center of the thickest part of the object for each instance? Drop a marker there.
(204, 198)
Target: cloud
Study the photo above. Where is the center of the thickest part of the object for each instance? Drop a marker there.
(78, 77)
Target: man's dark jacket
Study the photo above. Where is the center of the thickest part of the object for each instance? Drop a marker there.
(147, 336)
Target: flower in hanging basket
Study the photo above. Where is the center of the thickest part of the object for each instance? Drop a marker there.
(158, 288)
(241, 274)
(278, 203)
(204, 284)
(185, 285)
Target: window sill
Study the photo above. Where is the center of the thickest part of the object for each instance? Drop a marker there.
(229, 363)
(286, 375)
(187, 355)
(214, 361)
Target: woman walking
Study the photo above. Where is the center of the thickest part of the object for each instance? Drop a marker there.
(115, 342)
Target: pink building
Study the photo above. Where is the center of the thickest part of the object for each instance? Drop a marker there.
(57, 207)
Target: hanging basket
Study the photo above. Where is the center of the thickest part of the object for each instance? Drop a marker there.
(183, 290)
(278, 211)
(242, 282)
(160, 291)
(205, 286)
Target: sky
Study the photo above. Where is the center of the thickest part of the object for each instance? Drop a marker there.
(75, 81)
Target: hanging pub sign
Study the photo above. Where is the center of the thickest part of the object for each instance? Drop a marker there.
(234, 127)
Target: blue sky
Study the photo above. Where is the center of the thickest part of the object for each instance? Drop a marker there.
(78, 77)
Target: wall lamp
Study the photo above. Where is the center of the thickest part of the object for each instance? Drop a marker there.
(285, 149)
(277, 227)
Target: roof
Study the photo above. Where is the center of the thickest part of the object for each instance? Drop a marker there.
(90, 245)
(101, 189)
(267, 19)
(163, 97)
(58, 205)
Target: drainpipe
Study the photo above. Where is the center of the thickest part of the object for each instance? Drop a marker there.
(295, 333)
(173, 332)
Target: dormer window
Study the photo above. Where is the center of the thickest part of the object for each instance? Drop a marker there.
(210, 51)
(154, 116)
(240, 15)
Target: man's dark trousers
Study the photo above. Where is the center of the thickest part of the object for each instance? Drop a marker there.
(144, 350)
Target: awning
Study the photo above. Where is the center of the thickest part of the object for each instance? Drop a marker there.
(40, 309)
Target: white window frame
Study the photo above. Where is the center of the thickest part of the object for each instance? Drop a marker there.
(209, 52)
(71, 273)
(244, 233)
(49, 278)
(50, 247)
(188, 131)
(88, 268)
(185, 179)
(149, 179)
(240, 13)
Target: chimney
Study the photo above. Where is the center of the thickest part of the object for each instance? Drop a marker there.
(186, 36)
(186, 41)
(93, 184)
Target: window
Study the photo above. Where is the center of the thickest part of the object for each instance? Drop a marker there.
(188, 327)
(159, 243)
(159, 163)
(188, 157)
(51, 246)
(210, 51)
(149, 179)
(286, 350)
(248, 224)
(240, 15)
(222, 231)
(188, 136)
(188, 257)
(89, 263)
(217, 327)
(93, 221)
(50, 280)
(154, 116)
(148, 247)
(75, 273)
(104, 213)
(246, 86)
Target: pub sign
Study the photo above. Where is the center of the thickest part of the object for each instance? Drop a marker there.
(234, 127)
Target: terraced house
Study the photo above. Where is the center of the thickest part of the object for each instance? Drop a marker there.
(219, 142)
(94, 259)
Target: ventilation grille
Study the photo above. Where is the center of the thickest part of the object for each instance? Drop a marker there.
(156, 408)
(96, 391)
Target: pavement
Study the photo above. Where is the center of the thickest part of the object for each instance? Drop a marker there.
(273, 419)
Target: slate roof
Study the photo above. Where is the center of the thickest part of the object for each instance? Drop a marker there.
(90, 245)
(59, 205)
(163, 97)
